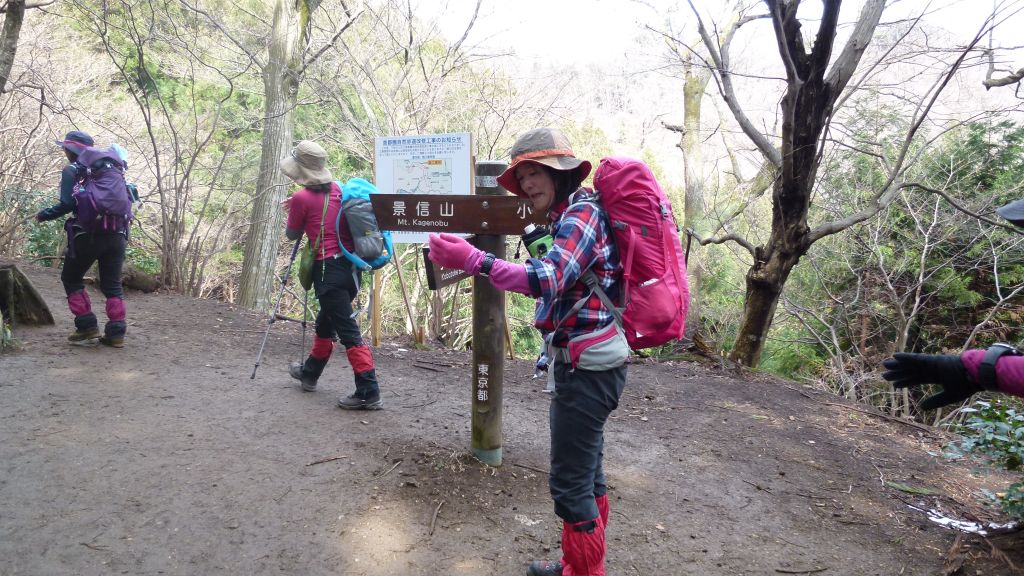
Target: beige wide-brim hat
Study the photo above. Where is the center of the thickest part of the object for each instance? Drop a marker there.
(545, 146)
(307, 164)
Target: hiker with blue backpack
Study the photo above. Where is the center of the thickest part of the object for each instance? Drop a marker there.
(316, 210)
(93, 187)
(589, 267)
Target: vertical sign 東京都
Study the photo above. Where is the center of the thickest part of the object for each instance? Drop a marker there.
(424, 164)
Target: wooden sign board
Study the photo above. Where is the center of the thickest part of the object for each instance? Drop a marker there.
(438, 277)
(492, 215)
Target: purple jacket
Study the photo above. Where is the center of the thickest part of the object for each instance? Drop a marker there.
(1009, 370)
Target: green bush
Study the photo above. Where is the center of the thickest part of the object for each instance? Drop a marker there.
(995, 429)
(143, 259)
(1013, 500)
(526, 339)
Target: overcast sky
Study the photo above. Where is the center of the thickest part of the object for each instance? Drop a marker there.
(582, 33)
(585, 31)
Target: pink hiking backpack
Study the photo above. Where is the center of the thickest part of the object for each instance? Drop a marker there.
(656, 294)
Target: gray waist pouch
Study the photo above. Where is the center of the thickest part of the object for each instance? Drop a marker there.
(604, 349)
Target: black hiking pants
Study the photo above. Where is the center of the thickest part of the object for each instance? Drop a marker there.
(108, 250)
(335, 287)
(582, 402)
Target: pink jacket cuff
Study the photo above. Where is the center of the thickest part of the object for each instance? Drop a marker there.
(473, 262)
(1009, 370)
(509, 277)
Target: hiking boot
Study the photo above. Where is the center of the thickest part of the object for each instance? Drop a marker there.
(356, 402)
(308, 373)
(308, 380)
(113, 341)
(545, 568)
(86, 336)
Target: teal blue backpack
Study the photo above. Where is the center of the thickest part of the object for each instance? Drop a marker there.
(373, 247)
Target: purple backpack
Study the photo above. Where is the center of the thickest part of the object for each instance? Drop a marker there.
(102, 200)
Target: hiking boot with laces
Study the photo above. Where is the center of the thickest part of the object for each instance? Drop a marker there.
(112, 341)
(308, 380)
(545, 568)
(82, 337)
(307, 372)
(356, 402)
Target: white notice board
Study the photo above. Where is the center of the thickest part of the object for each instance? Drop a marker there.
(423, 164)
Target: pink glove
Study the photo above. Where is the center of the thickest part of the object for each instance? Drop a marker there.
(452, 252)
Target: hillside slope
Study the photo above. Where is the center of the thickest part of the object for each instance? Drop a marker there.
(166, 458)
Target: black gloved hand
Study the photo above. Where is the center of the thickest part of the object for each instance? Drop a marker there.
(905, 370)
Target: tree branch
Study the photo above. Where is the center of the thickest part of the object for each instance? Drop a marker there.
(731, 237)
(952, 202)
(849, 58)
(3, 9)
(216, 24)
(722, 77)
(312, 59)
(991, 82)
(787, 31)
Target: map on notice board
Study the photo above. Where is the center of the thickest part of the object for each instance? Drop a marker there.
(432, 176)
(423, 164)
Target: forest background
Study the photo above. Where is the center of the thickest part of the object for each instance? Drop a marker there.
(837, 163)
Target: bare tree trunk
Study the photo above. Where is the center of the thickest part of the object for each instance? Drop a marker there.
(14, 15)
(811, 92)
(281, 85)
(764, 286)
(693, 160)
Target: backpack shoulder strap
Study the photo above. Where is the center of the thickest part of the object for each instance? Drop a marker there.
(590, 279)
(80, 170)
(323, 216)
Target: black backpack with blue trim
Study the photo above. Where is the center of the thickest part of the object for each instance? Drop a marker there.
(373, 247)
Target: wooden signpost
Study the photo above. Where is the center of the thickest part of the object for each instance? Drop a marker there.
(490, 214)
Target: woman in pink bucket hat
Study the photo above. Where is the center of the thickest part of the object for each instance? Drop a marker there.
(588, 351)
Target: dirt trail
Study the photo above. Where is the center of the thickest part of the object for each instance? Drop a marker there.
(165, 458)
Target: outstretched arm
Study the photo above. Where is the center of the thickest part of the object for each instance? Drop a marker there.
(455, 253)
(66, 205)
(1009, 370)
(960, 376)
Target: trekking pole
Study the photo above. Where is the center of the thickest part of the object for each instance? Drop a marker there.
(305, 314)
(273, 313)
(689, 238)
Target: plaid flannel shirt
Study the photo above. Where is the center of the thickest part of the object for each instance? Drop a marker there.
(582, 241)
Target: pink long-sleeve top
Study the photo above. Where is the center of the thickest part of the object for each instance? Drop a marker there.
(1009, 370)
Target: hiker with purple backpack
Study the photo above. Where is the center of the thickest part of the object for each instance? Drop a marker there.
(545, 170)
(93, 188)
